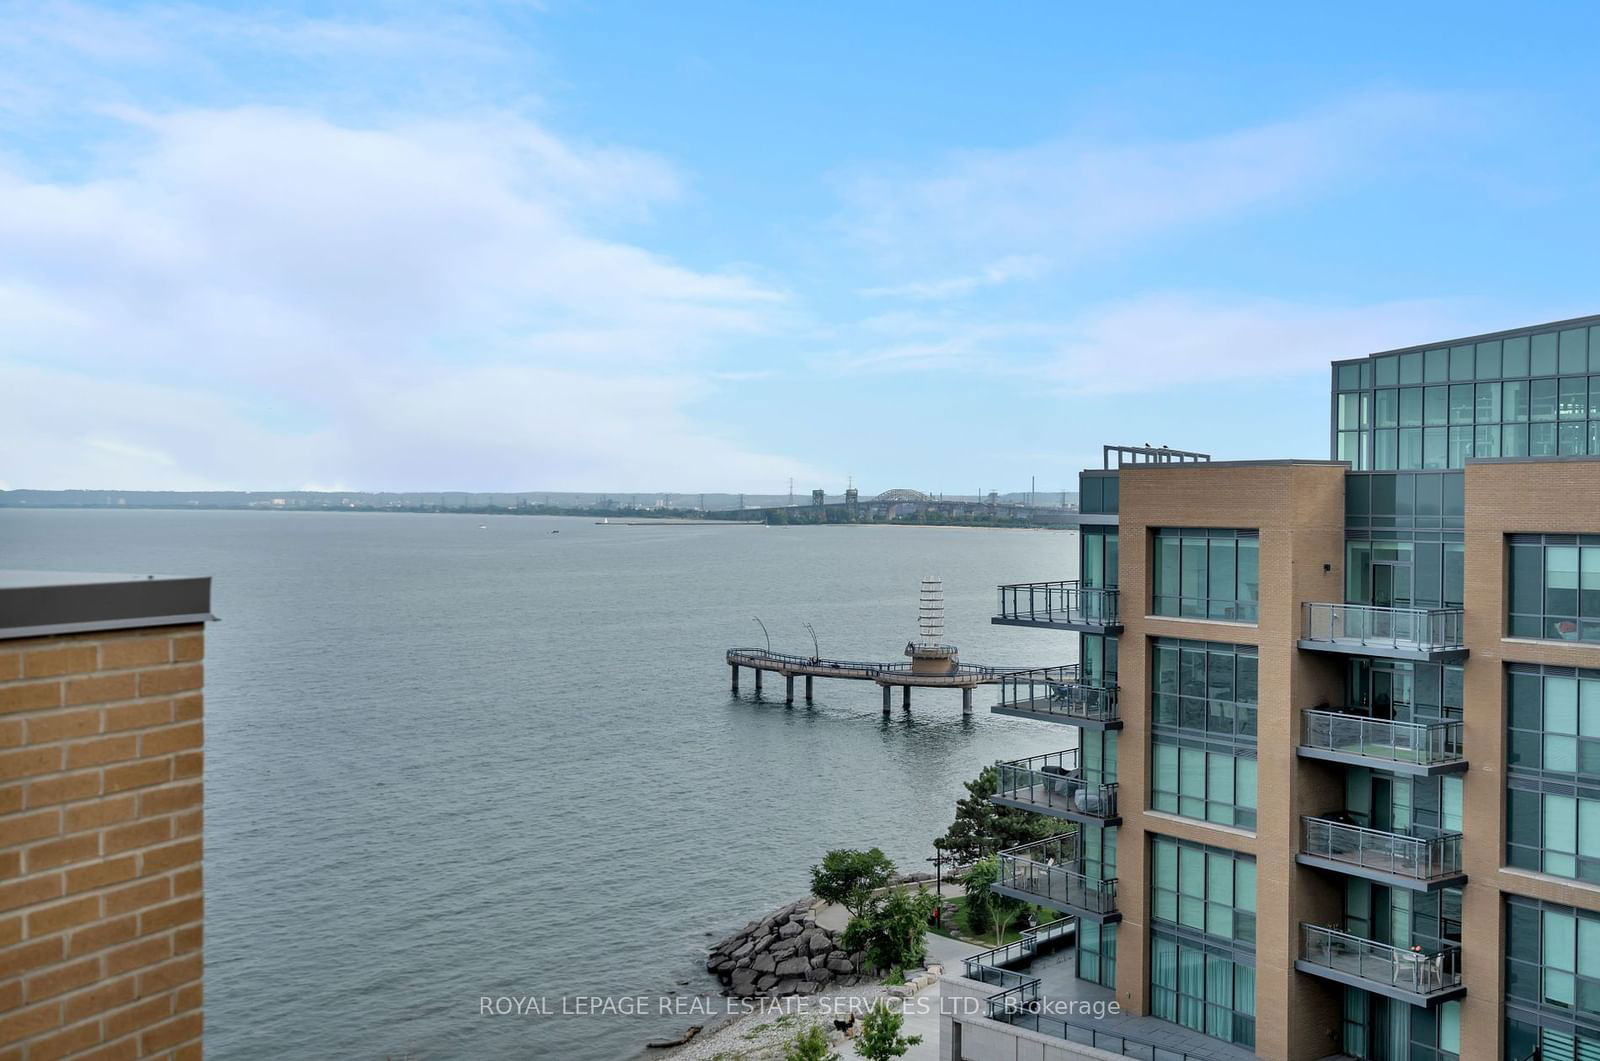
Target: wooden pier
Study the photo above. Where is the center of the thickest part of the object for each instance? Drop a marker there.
(904, 676)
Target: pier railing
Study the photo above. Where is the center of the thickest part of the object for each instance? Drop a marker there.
(1053, 782)
(1068, 603)
(1420, 858)
(768, 660)
(1058, 692)
(1367, 625)
(1418, 743)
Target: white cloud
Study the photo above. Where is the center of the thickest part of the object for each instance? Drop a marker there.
(1072, 198)
(1165, 340)
(263, 297)
(996, 273)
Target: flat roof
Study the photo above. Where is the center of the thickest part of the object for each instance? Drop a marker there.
(1288, 462)
(43, 603)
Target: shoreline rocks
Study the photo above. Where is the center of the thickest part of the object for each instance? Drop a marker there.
(784, 953)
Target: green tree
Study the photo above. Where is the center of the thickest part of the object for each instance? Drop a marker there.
(891, 931)
(849, 877)
(810, 1045)
(991, 908)
(881, 1038)
(983, 828)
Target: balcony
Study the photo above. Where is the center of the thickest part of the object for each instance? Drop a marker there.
(1432, 635)
(1419, 977)
(1058, 694)
(1053, 784)
(1421, 748)
(1059, 606)
(1415, 862)
(1048, 872)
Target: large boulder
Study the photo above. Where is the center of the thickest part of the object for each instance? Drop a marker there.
(763, 963)
(790, 929)
(764, 982)
(821, 976)
(784, 950)
(744, 950)
(764, 942)
(840, 964)
(795, 966)
(744, 981)
(815, 941)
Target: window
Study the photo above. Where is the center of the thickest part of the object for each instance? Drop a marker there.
(1553, 771)
(1552, 984)
(1205, 689)
(1207, 574)
(1206, 890)
(1097, 953)
(1555, 587)
(1210, 786)
(1209, 992)
(1098, 546)
(1529, 395)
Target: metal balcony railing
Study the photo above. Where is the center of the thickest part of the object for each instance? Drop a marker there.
(1367, 625)
(1417, 743)
(1416, 971)
(1062, 603)
(1059, 692)
(1053, 782)
(1419, 858)
(1047, 870)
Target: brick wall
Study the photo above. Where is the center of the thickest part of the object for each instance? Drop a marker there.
(1503, 498)
(100, 845)
(1299, 510)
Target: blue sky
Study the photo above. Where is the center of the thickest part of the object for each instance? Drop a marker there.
(703, 246)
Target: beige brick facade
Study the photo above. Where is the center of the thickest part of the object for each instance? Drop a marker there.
(1298, 508)
(101, 904)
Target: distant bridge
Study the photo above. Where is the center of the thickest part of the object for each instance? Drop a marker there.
(894, 504)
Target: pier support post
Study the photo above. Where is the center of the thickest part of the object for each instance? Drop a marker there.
(905, 697)
(735, 668)
(885, 701)
(758, 683)
(808, 688)
(966, 702)
(788, 688)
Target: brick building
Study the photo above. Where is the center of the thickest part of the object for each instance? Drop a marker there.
(1335, 790)
(101, 765)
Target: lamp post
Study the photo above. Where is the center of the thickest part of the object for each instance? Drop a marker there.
(758, 622)
(816, 653)
(938, 881)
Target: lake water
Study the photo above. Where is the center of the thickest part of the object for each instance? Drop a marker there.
(444, 762)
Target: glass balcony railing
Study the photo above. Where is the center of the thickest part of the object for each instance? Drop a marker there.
(1053, 783)
(1417, 858)
(1416, 972)
(1058, 604)
(1049, 871)
(1411, 743)
(1058, 693)
(1352, 627)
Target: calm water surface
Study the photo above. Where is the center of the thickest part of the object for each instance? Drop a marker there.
(446, 762)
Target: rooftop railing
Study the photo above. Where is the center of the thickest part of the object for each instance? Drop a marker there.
(1053, 782)
(1418, 971)
(1368, 625)
(1419, 858)
(1062, 603)
(1058, 692)
(1046, 869)
(1417, 743)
